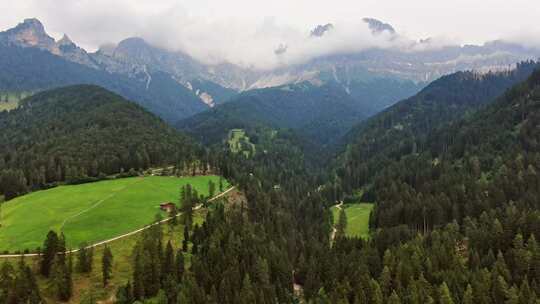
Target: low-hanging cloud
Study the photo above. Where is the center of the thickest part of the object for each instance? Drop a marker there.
(262, 43)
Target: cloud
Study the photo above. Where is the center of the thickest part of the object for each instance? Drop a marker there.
(240, 31)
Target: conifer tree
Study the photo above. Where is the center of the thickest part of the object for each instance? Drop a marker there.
(445, 296)
(468, 297)
(50, 249)
(394, 298)
(106, 265)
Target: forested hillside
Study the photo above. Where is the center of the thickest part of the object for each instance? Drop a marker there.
(82, 131)
(405, 127)
(454, 223)
(322, 114)
(34, 70)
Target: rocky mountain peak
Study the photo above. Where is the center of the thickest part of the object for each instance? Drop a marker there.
(65, 41)
(378, 27)
(32, 23)
(31, 33)
(320, 30)
(133, 43)
(135, 48)
(107, 49)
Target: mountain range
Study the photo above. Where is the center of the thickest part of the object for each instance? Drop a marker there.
(374, 78)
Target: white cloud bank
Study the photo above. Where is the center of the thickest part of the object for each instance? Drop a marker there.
(249, 32)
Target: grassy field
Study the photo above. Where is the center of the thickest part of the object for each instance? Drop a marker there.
(239, 142)
(8, 106)
(10, 100)
(90, 212)
(357, 218)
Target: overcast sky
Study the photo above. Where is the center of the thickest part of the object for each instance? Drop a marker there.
(248, 31)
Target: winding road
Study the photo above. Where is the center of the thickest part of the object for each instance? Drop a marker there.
(334, 230)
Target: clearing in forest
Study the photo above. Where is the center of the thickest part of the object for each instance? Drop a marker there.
(239, 142)
(357, 218)
(91, 212)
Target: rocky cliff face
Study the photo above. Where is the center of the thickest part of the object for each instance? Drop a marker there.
(30, 33)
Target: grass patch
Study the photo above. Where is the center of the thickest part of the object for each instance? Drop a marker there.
(8, 106)
(90, 212)
(357, 218)
(10, 100)
(239, 142)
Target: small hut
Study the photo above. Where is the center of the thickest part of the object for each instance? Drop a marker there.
(167, 206)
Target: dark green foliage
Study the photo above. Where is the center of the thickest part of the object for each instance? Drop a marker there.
(189, 199)
(60, 280)
(211, 189)
(13, 183)
(79, 134)
(51, 247)
(407, 127)
(474, 164)
(341, 225)
(323, 114)
(457, 217)
(18, 284)
(85, 258)
(106, 265)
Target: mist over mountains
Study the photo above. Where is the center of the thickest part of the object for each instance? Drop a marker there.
(375, 76)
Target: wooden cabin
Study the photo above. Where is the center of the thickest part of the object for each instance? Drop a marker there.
(167, 206)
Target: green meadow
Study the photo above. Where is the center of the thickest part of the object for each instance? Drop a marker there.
(90, 212)
(239, 142)
(357, 218)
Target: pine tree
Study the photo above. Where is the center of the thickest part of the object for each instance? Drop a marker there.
(186, 239)
(124, 294)
(394, 298)
(377, 295)
(106, 265)
(211, 189)
(468, 297)
(161, 297)
(524, 292)
(445, 296)
(386, 281)
(84, 259)
(341, 226)
(499, 291)
(50, 249)
(138, 278)
(168, 261)
(60, 279)
(179, 266)
(247, 293)
(513, 296)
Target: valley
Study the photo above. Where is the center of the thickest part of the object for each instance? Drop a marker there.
(332, 163)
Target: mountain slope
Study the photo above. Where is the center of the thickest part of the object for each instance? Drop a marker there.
(322, 113)
(406, 127)
(30, 69)
(486, 161)
(82, 131)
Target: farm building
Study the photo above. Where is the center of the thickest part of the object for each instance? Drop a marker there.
(167, 206)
